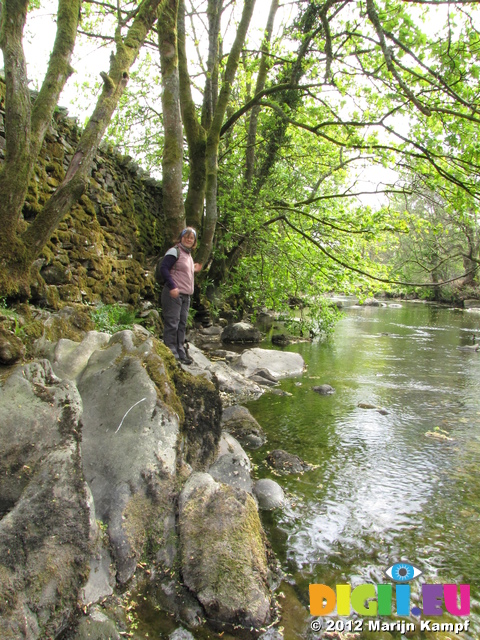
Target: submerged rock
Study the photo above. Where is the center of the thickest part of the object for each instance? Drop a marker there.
(369, 405)
(324, 389)
(223, 554)
(285, 462)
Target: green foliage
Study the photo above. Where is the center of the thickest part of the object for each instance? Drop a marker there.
(303, 227)
(111, 318)
(16, 323)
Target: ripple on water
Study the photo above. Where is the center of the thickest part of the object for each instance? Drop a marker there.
(384, 492)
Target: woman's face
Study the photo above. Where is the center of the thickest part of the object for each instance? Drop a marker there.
(188, 240)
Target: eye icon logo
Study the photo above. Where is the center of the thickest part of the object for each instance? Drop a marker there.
(402, 572)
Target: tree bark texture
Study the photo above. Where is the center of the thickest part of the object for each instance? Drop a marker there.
(25, 127)
(213, 138)
(172, 164)
(194, 132)
(260, 85)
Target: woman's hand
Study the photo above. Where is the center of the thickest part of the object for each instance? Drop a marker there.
(197, 267)
(174, 293)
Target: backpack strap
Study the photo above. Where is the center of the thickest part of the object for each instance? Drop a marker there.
(174, 251)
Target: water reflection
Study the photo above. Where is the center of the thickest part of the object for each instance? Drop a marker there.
(382, 489)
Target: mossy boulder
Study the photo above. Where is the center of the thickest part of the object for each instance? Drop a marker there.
(201, 428)
(223, 555)
(239, 422)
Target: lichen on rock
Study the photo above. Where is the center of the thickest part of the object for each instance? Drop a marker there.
(223, 553)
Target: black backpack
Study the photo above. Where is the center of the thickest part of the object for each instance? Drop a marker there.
(158, 274)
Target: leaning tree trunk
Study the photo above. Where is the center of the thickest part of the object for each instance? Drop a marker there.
(25, 127)
(26, 247)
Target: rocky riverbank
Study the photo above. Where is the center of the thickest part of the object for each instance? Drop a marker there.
(116, 471)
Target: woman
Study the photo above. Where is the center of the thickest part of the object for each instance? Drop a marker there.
(178, 269)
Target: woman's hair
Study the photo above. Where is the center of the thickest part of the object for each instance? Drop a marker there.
(186, 232)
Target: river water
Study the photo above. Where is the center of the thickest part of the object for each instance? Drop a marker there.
(382, 491)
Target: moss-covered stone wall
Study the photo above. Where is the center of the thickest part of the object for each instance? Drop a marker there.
(104, 250)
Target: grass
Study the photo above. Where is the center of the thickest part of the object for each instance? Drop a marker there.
(111, 318)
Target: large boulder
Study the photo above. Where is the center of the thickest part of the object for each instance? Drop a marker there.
(223, 554)
(45, 525)
(241, 332)
(239, 422)
(280, 364)
(129, 444)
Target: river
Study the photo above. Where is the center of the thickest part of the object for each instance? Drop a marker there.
(382, 491)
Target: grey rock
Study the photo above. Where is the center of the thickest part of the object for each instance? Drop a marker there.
(266, 374)
(181, 634)
(285, 462)
(280, 364)
(223, 554)
(471, 304)
(239, 422)
(262, 381)
(97, 626)
(99, 584)
(70, 358)
(43, 496)
(128, 435)
(211, 331)
(229, 380)
(269, 494)
(241, 332)
(232, 470)
(229, 444)
(324, 389)
(371, 302)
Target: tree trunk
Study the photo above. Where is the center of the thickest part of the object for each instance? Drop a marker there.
(25, 247)
(195, 134)
(213, 140)
(261, 79)
(25, 126)
(172, 164)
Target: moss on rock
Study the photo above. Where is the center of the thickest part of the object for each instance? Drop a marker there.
(223, 552)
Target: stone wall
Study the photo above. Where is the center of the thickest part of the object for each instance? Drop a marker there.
(105, 248)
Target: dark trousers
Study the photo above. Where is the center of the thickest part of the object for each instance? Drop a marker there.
(175, 313)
